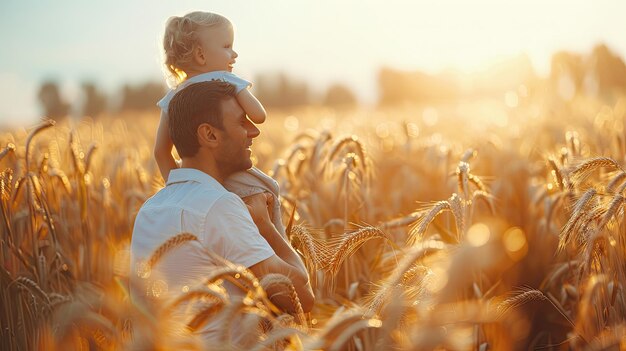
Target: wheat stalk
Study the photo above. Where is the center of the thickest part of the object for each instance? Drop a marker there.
(169, 245)
(10, 148)
(587, 305)
(422, 224)
(456, 206)
(349, 244)
(401, 222)
(453, 204)
(210, 292)
(210, 309)
(350, 140)
(240, 276)
(34, 288)
(573, 143)
(520, 299)
(584, 170)
(462, 173)
(577, 214)
(273, 281)
(307, 244)
(486, 198)
(614, 206)
(477, 182)
(283, 336)
(557, 174)
(468, 155)
(44, 125)
(618, 179)
(340, 328)
(89, 156)
(402, 273)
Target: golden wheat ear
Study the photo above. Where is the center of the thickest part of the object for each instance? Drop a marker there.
(169, 245)
(280, 285)
(349, 243)
(581, 172)
(9, 149)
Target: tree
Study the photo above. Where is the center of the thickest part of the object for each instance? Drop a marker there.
(608, 68)
(141, 97)
(401, 86)
(567, 72)
(278, 90)
(53, 105)
(339, 95)
(95, 102)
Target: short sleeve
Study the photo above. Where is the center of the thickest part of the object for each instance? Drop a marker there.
(239, 83)
(225, 76)
(230, 227)
(165, 101)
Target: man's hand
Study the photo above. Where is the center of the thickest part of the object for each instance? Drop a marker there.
(258, 205)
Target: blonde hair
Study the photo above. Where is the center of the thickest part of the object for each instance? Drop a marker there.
(180, 40)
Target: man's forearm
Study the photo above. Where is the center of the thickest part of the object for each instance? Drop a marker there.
(297, 271)
(281, 247)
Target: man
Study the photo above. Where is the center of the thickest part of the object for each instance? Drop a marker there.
(212, 135)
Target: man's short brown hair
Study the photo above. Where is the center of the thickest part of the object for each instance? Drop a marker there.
(196, 104)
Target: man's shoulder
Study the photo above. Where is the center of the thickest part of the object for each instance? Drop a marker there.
(228, 203)
(192, 196)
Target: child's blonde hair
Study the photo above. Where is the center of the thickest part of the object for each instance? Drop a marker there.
(180, 40)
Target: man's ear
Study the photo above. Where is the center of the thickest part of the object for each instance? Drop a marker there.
(206, 135)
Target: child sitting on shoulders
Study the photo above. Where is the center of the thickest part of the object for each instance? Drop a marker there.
(199, 47)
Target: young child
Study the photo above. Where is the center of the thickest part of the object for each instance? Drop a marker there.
(199, 47)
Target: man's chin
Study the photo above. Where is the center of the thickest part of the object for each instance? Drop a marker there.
(229, 168)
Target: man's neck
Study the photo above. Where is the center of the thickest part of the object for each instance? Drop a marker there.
(204, 166)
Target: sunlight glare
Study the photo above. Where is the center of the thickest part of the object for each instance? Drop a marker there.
(511, 99)
(291, 123)
(566, 87)
(514, 241)
(430, 116)
(478, 234)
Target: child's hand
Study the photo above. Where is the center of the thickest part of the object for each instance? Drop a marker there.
(258, 205)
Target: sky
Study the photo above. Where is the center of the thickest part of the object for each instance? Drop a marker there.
(320, 42)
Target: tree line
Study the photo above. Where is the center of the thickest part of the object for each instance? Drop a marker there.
(274, 90)
(602, 73)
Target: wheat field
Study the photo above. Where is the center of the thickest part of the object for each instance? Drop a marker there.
(480, 227)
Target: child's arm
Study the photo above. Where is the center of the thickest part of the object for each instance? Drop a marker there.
(249, 103)
(251, 106)
(163, 148)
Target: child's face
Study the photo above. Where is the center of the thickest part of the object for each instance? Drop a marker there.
(216, 44)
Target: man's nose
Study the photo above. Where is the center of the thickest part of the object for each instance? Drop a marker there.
(235, 54)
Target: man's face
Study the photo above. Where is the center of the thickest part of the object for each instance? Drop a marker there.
(235, 140)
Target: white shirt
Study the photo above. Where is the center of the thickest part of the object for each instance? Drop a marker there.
(192, 202)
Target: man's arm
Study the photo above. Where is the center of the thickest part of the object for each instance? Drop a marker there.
(286, 261)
